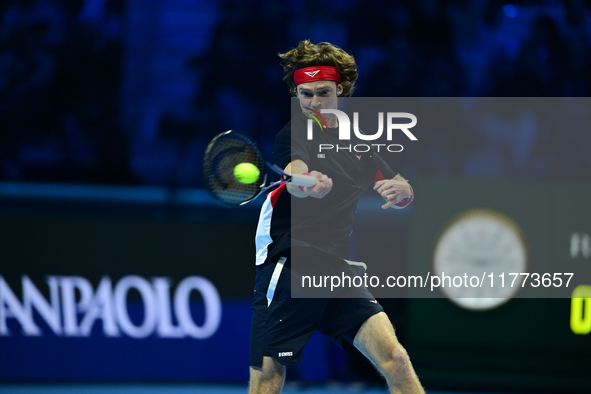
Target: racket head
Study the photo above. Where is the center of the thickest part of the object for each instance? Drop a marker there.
(223, 153)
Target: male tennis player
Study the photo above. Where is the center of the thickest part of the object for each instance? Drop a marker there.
(318, 233)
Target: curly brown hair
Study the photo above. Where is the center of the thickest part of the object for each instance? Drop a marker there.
(307, 54)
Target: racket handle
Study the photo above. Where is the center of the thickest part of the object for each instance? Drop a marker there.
(303, 180)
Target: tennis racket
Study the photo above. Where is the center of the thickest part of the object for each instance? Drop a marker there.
(228, 149)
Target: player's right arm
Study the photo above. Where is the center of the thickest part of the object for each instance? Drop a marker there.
(319, 190)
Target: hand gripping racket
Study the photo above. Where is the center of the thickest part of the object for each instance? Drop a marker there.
(224, 153)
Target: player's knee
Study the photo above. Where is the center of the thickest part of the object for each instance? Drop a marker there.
(269, 375)
(271, 370)
(397, 365)
(268, 379)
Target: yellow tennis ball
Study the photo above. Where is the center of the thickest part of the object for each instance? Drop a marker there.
(246, 173)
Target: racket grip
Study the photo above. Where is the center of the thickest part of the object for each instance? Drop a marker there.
(303, 180)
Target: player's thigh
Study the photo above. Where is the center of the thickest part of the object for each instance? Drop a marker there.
(377, 340)
(344, 316)
(271, 373)
(281, 325)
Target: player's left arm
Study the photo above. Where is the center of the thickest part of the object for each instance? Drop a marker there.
(397, 192)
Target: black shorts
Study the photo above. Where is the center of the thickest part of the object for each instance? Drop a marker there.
(281, 325)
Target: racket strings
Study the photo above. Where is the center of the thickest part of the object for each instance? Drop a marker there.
(223, 154)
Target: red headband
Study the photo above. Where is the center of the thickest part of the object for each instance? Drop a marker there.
(318, 73)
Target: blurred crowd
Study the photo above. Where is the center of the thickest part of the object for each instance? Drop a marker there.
(60, 73)
(61, 62)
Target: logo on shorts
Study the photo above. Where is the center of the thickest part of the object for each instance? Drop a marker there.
(374, 301)
(285, 354)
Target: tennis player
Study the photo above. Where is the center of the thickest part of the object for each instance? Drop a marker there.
(318, 233)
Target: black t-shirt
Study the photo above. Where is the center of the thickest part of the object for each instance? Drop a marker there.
(324, 223)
